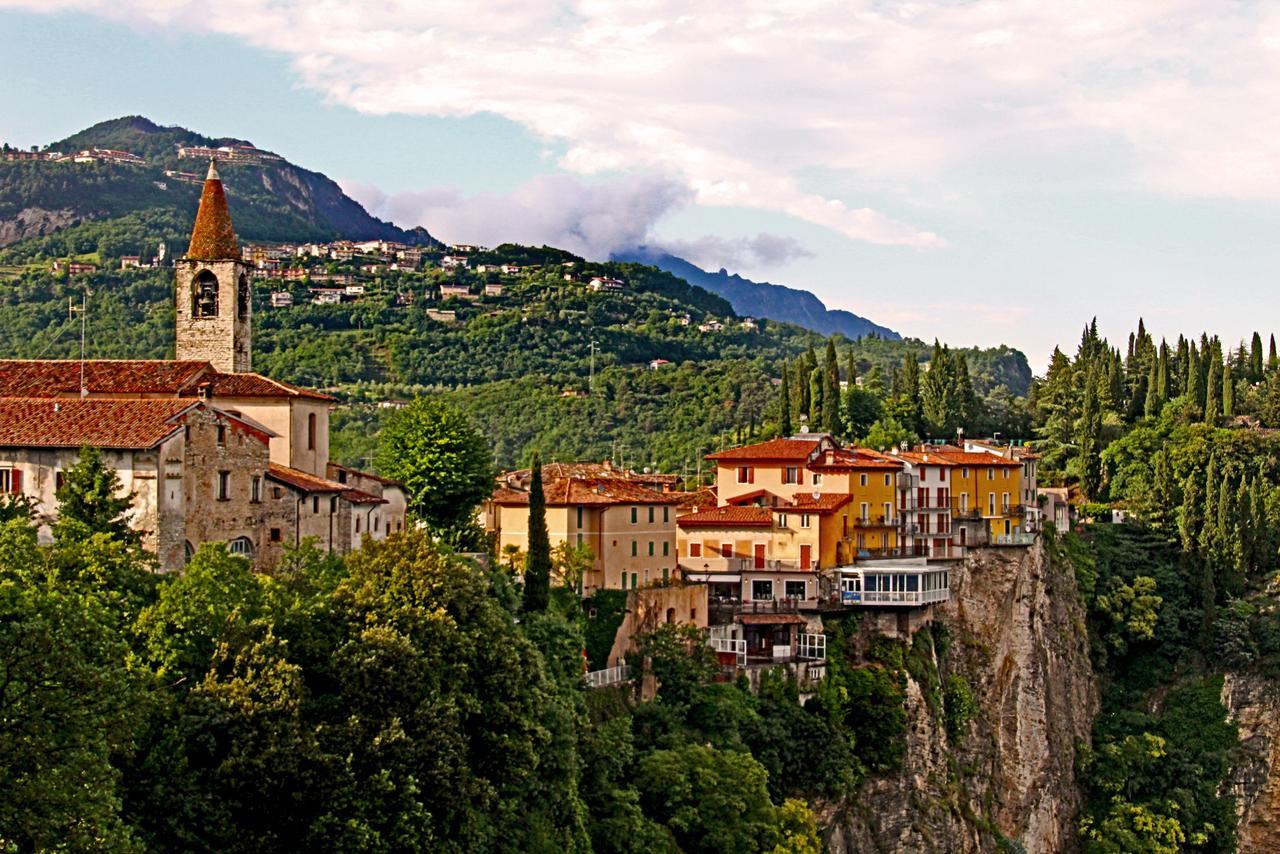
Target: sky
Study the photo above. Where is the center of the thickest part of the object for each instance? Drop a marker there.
(978, 172)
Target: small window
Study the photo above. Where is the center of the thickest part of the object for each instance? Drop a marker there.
(635, 548)
(224, 486)
(792, 475)
(744, 474)
(804, 520)
(333, 504)
(222, 434)
(315, 504)
(242, 546)
(255, 489)
(311, 431)
(862, 480)
(277, 492)
(377, 524)
(651, 548)
(59, 478)
(794, 589)
(275, 535)
(991, 474)
(579, 517)
(817, 478)
(695, 549)
(634, 585)
(964, 472)
(1006, 474)
(666, 514)
(888, 480)
(357, 524)
(666, 549)
(650, 514)
(762, 589)
(635, 515)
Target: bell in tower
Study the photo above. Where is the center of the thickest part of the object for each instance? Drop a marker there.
(214, 300)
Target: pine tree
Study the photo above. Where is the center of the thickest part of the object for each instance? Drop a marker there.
(537, 561)
(784, 402)
(89, 502)
(1255, 359)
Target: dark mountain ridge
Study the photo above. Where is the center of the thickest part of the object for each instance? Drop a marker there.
(763, 299)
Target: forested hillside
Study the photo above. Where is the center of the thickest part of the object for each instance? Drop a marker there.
(273, 200)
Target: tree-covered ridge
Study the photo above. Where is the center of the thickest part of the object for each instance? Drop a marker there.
(270, 201)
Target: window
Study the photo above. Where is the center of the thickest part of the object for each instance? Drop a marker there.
(794, 589)
(804, 520)
(964, 472)
(791, 474)
(666, 549)
(888, 479)
(666, 514)
(579, 541)
(862, 480)
(315, 504)
(241, 546)
(255, 489)
(651, 548)
(11, 481)
(222, 435)
(275, 535)
(650, 514)
(695, 549)
(59, 478)
(377, 524)
(357, 524)
(1006, 474)
(224, 485)
(311, 431)
(579, 517)
(888, 511)
(333, 504)
(635, 515)
(666, 575)
(634, 548)
(991, 473)
(242, 298)
(745, 474)
(761, 589)
(633, 581)
(204, 295)
(817, 478)
(863, 509)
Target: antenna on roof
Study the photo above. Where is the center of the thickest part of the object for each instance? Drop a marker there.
(84, 315)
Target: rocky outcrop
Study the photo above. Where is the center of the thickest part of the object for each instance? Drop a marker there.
(1253, 705)
(1015, 632)
(34, 222)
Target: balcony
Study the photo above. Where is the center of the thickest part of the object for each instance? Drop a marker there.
(874, 522)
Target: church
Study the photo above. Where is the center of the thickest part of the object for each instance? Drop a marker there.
(209, 450)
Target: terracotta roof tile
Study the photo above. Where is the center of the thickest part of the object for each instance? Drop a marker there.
(213, 238)
(704, 497)
(61, 377)
(310, 483)
(573, 491)
(774, 449)
(827, 502)
(854, 458)
(728, 517)
(137, 424)
(977, 459)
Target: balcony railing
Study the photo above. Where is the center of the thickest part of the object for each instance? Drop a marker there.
(986, 511)
(609, 676)
(1020, 538)
(880, 521)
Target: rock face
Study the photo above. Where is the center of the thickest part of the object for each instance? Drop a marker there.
(34, 222)
(1253, 704)
(1016, 633)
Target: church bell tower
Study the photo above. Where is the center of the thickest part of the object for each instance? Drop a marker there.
(214, 295)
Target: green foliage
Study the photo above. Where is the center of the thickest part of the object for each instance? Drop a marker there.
(89, 502)
(959, 704)
(537, 562)
(443, 461)
(605, 609)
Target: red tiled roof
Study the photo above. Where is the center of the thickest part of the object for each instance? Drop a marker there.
(827, 502)
(926, 458)
(728, 517)
(768, 498)
(61, 377)
(774, 449)
(704, 497)
(310, 483)
(573, 491)
(854, 458)
(213, 238)
(377, 478)
(137, 424)
(977, 459)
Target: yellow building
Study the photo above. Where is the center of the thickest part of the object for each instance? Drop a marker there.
(870, 479)
(988, 487)
(629, 526)
(778, 467)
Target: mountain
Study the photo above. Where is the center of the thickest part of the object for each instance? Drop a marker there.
(273, 199)
(763, 299)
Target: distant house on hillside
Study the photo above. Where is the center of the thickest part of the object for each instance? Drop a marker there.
(130, 261)
(657, 364)
(605, 284)
(494, 290)
(452, 262)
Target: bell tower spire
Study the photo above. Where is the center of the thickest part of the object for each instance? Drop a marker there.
(214, 298)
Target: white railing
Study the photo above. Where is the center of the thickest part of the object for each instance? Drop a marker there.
(609, 676)
(1019, 539)
(813, 647)
(904, 597)
(737, 647)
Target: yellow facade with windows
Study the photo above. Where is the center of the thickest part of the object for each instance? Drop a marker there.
(991, 487)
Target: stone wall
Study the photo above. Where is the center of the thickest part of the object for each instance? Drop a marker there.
(1253, 704)
(650, 607)
(225, 338)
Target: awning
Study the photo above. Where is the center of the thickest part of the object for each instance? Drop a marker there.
(712, 577)
(773, 620)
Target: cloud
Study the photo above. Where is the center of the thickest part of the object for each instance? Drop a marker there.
(591, 219)
(762, 250)
(741, 102)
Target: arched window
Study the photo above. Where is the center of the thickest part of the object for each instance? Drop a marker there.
(204, 295)
(242, 298)
(188, 552)
(242, 546)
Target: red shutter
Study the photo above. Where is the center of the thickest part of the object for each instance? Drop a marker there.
(15, 481)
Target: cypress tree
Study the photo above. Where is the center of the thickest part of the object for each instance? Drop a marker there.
(1273, 361)
(802, 389)
(537, 562)
(1228, 394)
(911, 387)
(1192, 374)
(816, 403)
(831, 390)
(1255, 359)
(1164, 499)
(1089, 440)
(1162, 377)
(1191, 515)
(784, 393)
(1209, 525)
(1151, 406)
(1213, 394)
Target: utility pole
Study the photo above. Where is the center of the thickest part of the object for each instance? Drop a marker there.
(84, 316)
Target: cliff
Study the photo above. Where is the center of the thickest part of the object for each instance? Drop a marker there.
(1014, 631)
(1253, 704)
